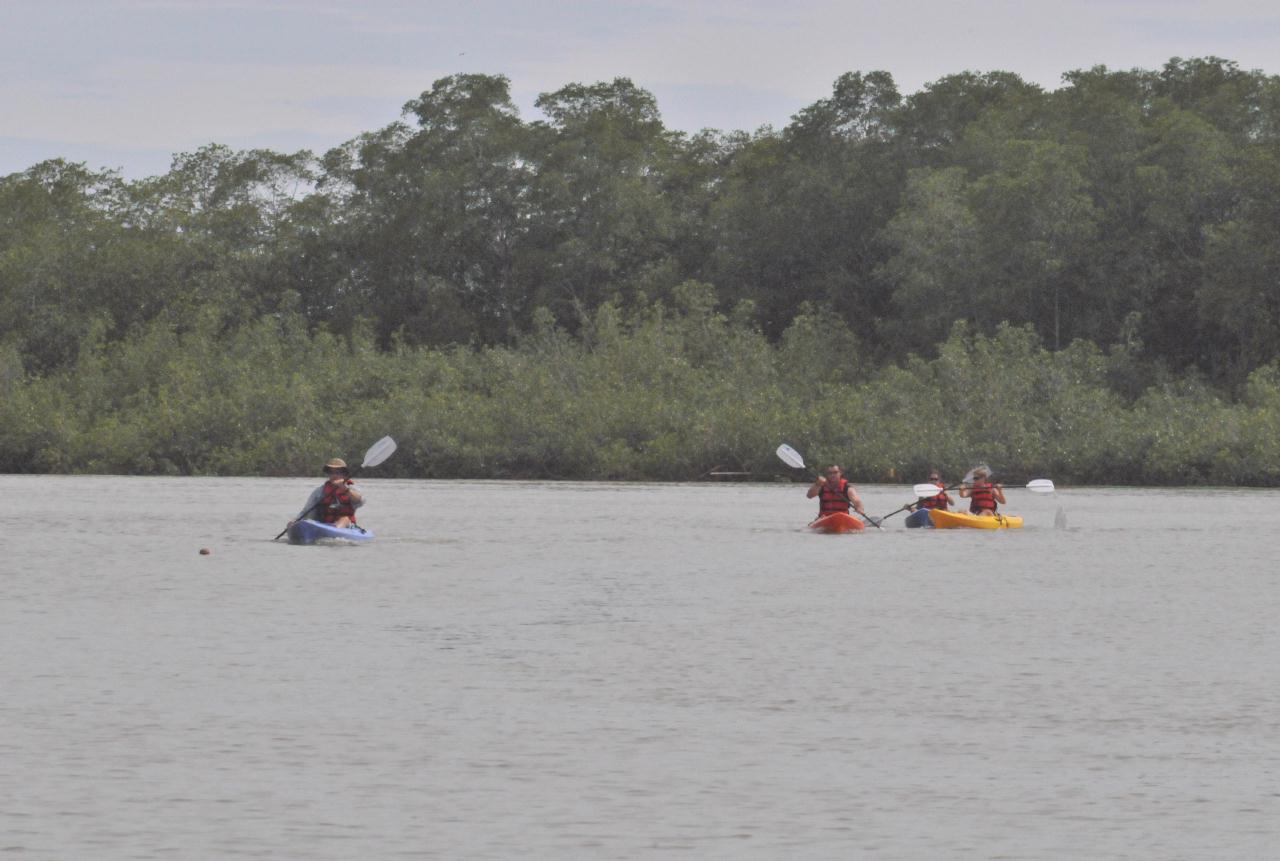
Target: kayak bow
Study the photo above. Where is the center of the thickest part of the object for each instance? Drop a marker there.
(837, 522)
(311, 531)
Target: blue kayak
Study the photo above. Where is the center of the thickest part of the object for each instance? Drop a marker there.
(311, 531)
(919, 518)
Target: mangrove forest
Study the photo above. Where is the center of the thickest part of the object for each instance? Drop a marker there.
(1081, 283)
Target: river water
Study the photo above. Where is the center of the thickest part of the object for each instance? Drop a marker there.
(536, 670)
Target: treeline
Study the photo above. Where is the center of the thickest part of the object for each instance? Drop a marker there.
(656, 393)
(524, 297)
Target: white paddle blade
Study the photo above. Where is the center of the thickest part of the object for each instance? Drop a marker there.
(1040, 485)
(924, 491)
(790, 456)
(378, 452)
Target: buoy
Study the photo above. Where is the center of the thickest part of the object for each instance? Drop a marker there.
(205, 551)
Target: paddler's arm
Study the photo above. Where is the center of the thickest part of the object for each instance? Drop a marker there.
(855, 500)
(815, 488)
(312, 501)
(357, 498)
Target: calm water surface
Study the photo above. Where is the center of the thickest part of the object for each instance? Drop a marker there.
(526, 670)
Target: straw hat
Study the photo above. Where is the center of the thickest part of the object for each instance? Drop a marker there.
(336, 463)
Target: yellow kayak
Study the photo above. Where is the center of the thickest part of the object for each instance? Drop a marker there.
(962, 520)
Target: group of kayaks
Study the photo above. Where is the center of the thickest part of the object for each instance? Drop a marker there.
(308, 531)
(928, 495)
(311, 531)
(929, 518)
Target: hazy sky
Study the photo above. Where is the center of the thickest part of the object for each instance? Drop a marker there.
(128, 83)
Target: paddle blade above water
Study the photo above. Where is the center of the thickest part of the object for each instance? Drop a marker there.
(1040, 485)
(378, 452)
(790, 456)
(924, 491)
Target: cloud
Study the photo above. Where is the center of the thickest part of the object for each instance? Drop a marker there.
(175, 74)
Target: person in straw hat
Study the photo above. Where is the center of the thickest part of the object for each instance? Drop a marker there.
(336, 500)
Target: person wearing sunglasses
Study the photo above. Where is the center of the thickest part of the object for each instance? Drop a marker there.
(942, 501)
(984, 497)
(336, 500)
(835, 493)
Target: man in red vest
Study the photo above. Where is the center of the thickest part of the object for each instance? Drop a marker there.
(835, 493)
(336, 500)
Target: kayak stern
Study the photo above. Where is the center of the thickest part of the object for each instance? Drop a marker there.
(963, 520)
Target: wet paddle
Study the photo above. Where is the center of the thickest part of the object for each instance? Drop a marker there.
(377, 453)
(924, 491)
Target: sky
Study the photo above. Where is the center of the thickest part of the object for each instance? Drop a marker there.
(126, 84)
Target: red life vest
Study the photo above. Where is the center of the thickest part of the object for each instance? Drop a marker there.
(981, 498)
(939, 501)
(336, 502)
(833, 499)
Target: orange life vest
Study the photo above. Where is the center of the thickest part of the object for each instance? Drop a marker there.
(939, 501)
(833, 499)
(336, 502)
(981, 498)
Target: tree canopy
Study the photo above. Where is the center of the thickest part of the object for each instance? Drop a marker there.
(1133, 213)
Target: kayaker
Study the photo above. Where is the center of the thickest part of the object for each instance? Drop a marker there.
(835, 493)
(942, 501)
(336, 500)
(984, 497)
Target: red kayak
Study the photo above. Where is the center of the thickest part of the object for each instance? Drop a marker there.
(838, 522)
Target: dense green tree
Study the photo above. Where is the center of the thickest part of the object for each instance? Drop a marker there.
(50, 233)
(800, 213)
(429, 219)
(605, 226)
(591, 293)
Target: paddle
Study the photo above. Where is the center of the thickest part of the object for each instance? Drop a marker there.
(1036, 485)
(792, 458)
(924, 491)
(377, 453)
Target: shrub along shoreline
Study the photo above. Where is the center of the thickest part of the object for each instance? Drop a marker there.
(657, 394)
(592, 295)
